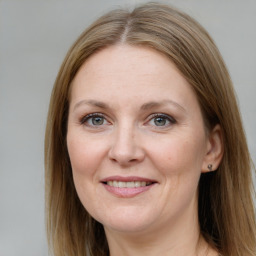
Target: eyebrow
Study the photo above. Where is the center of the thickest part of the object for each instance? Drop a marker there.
(145, 106)
(92, 103)
(154, 104)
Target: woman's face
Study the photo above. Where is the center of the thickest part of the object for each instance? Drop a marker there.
(136, 140)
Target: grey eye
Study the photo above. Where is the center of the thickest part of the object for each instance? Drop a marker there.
(94, 120)
(160, 121)
(98, 120)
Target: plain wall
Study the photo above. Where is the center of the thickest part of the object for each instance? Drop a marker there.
(34, 38)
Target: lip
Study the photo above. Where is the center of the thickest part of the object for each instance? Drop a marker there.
(127, 179)
(127, 192)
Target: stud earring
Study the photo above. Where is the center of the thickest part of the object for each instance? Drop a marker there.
(210, 167)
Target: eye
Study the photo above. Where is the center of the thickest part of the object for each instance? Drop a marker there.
(94, 120)
(161, 120)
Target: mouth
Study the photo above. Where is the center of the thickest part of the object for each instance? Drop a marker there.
(127, 186)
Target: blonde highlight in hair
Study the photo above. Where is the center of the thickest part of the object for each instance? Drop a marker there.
(226, 211)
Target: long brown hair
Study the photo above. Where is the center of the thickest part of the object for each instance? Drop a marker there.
(226, 211)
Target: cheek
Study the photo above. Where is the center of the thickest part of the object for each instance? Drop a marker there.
(178, 155)
(85, 158)
(84, 154)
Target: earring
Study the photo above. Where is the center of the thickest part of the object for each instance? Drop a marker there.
(210, 167)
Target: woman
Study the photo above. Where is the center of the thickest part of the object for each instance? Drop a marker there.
(145, 151)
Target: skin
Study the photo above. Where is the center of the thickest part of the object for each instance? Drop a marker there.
(126, 86)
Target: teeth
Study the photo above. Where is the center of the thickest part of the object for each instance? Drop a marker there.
(121, 184)
(137, 184)
(130, 184)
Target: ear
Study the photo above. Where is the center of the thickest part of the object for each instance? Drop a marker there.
(214, 150)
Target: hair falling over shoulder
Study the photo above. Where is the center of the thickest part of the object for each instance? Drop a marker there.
(226, 210)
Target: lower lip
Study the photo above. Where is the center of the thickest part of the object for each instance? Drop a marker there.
(127, 192)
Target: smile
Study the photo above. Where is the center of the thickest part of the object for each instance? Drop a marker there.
(127, 187)
(129, 184)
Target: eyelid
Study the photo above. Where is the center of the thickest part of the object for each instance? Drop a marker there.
(163, 115)
(85, 118)
(166, 116)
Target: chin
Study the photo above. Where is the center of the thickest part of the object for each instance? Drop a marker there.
(128, 221)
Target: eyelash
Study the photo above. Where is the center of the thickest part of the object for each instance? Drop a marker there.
(165, 117)
(84, 120)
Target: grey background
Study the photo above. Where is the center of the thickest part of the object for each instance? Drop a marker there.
(34, 37)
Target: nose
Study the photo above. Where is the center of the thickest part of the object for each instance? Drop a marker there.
(125, 149)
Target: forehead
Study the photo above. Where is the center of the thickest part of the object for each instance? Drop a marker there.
(127, 72)
(119, 59)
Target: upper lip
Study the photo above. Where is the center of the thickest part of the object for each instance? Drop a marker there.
(127, 179)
